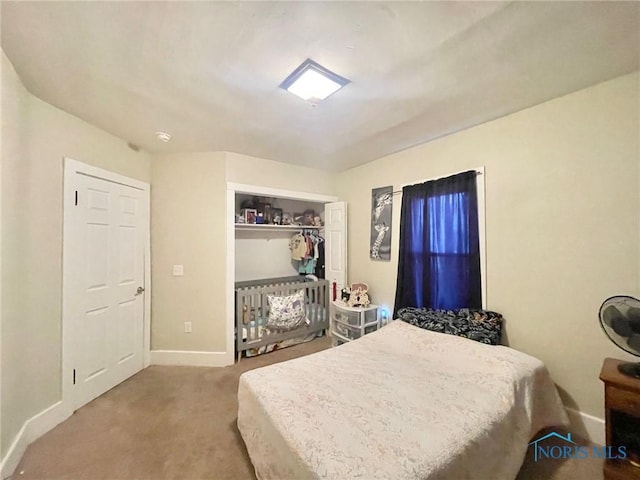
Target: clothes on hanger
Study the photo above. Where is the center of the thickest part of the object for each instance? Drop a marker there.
(298, 246)
(320, 261)
(307, 247)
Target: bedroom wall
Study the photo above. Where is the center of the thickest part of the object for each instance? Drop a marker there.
(253, 247)
(270, 173)
(12, 106)
(35, 138)
(562, 222)
(188, 205)
(14, 98)
(188, 208)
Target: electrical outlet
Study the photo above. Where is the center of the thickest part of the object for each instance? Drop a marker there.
(178, 270)
(187, 327)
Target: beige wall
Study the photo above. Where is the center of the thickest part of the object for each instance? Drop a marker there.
(188, 227)
(253, 247)
(188, 208)
(14, 99)
(269, 173)
(12, 105)
(35, 138)
(562, 222)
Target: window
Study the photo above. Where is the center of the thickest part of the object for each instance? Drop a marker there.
(439, 259)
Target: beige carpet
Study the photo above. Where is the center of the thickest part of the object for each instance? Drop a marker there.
(180, 423)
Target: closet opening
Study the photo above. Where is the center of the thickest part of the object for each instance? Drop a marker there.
(276, 245)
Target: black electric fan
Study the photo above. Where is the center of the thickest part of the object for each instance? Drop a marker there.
(620, 320)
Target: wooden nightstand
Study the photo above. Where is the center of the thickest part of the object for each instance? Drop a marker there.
(622, 416)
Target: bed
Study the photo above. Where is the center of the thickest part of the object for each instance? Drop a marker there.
(400, 403)
(254, 337)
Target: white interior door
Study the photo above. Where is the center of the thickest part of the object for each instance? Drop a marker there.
(335, 228)
(105, 284)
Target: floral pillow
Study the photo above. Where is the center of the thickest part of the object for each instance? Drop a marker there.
(286, 312)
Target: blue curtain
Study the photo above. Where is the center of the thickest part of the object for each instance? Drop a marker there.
(439, 257)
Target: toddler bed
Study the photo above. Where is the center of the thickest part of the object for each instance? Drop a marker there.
(255, 334)
(400, 403)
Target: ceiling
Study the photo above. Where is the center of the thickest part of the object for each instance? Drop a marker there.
(208, 72)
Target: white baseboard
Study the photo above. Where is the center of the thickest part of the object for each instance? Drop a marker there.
(587, 426)
(31, 430)
(193, 359)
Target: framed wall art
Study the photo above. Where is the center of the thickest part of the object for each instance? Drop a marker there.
(381, 207)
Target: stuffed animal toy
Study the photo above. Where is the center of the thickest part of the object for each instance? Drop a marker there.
(359, 296)
(345, 293)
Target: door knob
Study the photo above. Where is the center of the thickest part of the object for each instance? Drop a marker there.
(140, 290)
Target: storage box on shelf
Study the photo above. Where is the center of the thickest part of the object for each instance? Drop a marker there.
(350, 323)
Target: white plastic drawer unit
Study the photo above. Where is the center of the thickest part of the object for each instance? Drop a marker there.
(356, 318)
(353, 332)
(350, 323)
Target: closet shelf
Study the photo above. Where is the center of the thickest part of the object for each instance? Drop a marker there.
(258, 226)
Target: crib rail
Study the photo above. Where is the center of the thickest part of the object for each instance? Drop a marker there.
(252, 309)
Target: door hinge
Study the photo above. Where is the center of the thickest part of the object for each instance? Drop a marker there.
(76, 197)
(74, 376)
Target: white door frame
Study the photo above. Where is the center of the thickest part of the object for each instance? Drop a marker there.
(232, 189)
(72, 167)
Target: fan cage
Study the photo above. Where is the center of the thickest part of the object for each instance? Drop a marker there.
(624, 304)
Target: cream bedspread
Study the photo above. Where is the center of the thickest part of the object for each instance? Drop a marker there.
(400, 403)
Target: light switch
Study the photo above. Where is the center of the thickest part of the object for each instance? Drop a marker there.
(178, 270)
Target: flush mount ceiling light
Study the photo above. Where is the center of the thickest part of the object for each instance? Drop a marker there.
(163, 136)
(312, 82)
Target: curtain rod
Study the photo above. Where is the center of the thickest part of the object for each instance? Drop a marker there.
(395, 192)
